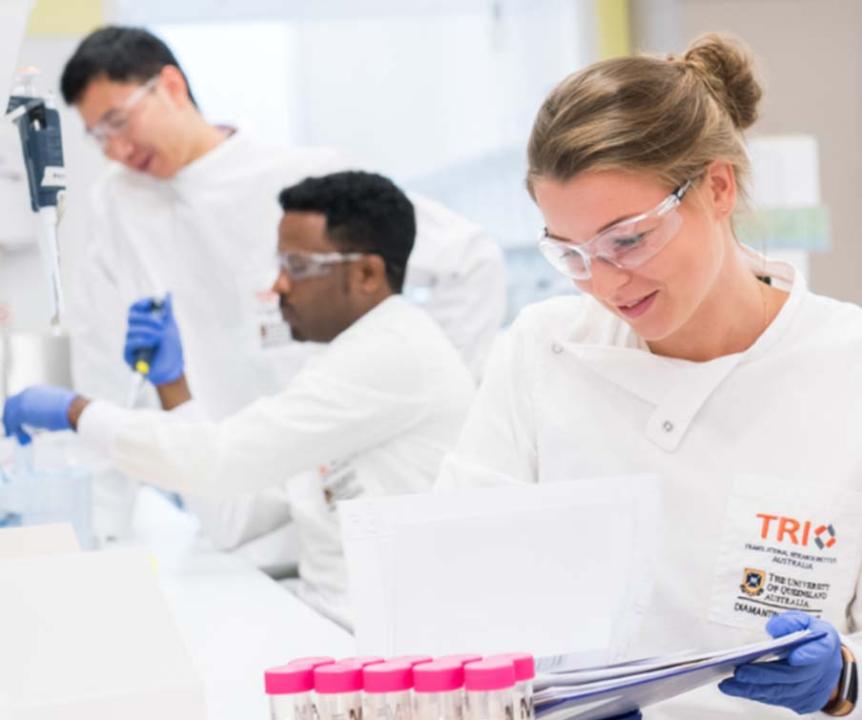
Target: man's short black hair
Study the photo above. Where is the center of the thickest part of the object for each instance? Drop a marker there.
(122, 54)
(364, 212)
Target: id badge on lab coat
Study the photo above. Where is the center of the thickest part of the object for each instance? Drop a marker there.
(268, 331)
(271, 331)
(340, 481)
(786, 548)
(319, 491)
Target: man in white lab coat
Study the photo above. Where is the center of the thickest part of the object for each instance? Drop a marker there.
(188, 208)
(372, 414)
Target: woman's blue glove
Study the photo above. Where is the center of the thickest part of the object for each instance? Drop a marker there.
(153, 347)
(804, 680)
(40, 406)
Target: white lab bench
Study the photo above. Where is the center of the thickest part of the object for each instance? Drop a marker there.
(235, 621)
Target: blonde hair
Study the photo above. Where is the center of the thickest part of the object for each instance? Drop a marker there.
(666, 117)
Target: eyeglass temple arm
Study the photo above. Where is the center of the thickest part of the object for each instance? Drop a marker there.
(680, 192)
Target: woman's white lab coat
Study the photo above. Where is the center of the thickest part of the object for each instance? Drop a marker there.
(209, 235)
(760, 455)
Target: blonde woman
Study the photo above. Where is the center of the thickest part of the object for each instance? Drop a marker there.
(690, 356)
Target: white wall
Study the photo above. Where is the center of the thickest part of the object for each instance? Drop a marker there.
(411, 94)
(811, 62)
(440, 96)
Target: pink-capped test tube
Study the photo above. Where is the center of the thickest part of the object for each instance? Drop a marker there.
(525, 673)
(290, 692)
(387, 691)
(489, 690)
(338, 689)
(438, 691)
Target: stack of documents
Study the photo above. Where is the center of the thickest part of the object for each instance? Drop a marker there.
(504, 567)
(564, 693)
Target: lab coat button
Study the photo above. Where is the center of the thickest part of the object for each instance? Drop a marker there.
(667, 426)
(556, 348)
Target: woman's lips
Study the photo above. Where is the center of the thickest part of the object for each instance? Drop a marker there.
(638, 307)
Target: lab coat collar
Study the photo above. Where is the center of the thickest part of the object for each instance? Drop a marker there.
(677, 388)
(202, 170)
(380, 313)
(205, 168)
(784, 277)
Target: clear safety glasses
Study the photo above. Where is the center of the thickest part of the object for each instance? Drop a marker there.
(626, 244)
(302, 265)
(114, 121)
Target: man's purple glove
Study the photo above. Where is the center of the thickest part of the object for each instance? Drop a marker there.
(153, 347)
(804, 680)
(39, 406)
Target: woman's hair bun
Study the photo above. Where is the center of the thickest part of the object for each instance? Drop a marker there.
(727, 68)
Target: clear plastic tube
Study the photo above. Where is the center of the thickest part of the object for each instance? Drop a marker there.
(490, 690)
(297, 706)
(387, 706)
(439, 705)
(523, 700)
(289, 689)
(490, 705)
(524, 665)
(338, 689)
(438, 690)
(387, 691)
(339, 706)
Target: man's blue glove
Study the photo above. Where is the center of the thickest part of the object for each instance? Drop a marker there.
(153, 345)
(40, 406)
(804, 680)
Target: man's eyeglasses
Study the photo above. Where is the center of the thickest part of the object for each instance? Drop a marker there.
(626, 244)
(115, 121)
(302, 265)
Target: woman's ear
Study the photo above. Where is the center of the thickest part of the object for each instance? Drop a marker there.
(720, 188)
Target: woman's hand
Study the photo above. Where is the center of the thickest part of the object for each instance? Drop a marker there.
(805, 680)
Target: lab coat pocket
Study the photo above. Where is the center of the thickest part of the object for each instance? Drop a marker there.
(785, 547)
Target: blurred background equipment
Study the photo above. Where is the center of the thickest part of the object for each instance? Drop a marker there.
(33, 184)
(38, 125)
(39, 484)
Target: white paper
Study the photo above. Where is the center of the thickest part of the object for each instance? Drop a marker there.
(88, 636)
(544, 568)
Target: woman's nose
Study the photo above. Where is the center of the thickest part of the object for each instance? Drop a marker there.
(606, 279)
